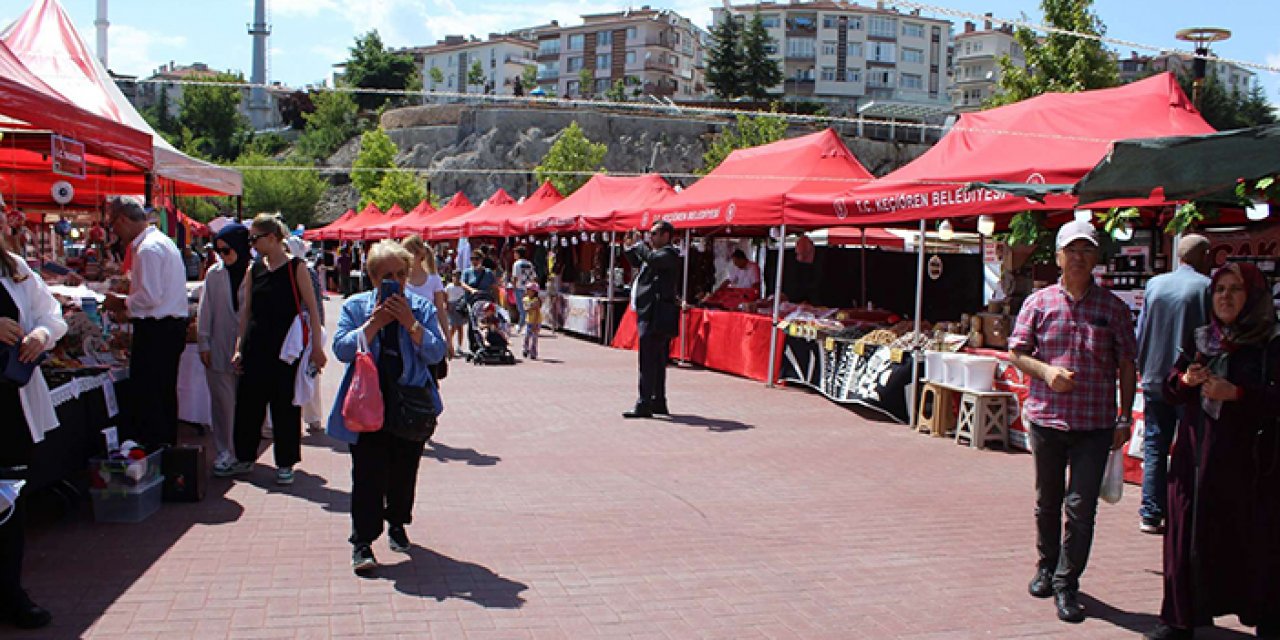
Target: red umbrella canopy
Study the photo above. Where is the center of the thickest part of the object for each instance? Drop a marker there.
(421, 225)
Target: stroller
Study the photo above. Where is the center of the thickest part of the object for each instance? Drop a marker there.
(486, 334)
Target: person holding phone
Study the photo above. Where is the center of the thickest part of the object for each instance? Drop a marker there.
(657, 313)
(275, 292)
(402, 333)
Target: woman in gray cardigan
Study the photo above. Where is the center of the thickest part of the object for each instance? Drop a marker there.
(218, 324)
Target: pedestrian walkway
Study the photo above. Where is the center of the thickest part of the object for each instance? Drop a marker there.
(541, 513)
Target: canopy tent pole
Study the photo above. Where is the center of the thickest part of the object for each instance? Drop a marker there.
(777, 302)
(608, 308)
(684, 296)
(915, 361)
(863, 299)
(149, 182)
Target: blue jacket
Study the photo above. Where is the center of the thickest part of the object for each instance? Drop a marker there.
(1175, 305)
(355, 312)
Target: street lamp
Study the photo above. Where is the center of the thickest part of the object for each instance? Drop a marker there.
(1201, 37)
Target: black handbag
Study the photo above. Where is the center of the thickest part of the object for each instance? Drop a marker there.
(416, 412)
(13, 370)
(440, 370)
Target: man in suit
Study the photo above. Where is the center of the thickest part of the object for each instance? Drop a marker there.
(657, 313)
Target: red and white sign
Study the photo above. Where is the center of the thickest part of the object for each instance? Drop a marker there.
(68, 156)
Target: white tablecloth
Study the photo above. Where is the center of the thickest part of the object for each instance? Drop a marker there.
(193, 390)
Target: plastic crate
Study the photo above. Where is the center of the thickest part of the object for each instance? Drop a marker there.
(128, 505)
(120, 473)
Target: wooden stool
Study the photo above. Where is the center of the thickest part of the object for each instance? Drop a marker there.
(984, 419)
(934, 415)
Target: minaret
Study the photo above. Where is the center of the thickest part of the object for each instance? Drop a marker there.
(102, 24)
(259, 108)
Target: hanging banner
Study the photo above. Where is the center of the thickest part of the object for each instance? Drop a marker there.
(877, 377)
(67, 156)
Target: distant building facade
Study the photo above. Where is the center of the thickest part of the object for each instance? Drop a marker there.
(1231, 76)
(171, 79)
(976, 69)
(503, 60)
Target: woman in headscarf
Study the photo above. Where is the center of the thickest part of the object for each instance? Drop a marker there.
(218, 322)
(1222, 547)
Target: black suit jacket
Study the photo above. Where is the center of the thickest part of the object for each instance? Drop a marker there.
(655, 286)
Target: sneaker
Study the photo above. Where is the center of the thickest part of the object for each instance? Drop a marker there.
(284, 475)
(232, 468)
(399, 540)
(362, 560)
(1154, 526)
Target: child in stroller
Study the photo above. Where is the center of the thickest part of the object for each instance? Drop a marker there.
(488, 334)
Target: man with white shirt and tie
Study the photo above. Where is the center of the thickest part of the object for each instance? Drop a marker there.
(157, 307)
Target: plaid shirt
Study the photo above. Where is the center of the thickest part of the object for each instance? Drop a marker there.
(1090, 337)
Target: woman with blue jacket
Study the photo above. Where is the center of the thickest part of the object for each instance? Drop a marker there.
(403, 336)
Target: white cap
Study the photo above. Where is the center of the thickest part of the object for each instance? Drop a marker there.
(1077, 230)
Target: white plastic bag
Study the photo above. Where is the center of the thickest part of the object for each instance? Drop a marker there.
(1113, 477)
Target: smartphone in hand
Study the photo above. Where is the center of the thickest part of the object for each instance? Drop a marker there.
(387, 289)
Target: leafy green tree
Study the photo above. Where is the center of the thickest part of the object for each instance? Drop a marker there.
(586, 82)
(373, 66)
(159, 117)
(397, 187)
(570, 160)
(266, 144)
(212, 126)
(725, 60)
(475, 75)
(748, 131)
(617, 92)
(377, 152)
(292, 187)
(333, 122)
(1226, 109)
(760, 73)
(437, 76)
(530, 77)
(1057, 62)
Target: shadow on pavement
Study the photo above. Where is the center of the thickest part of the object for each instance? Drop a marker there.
(710, 424)
(444, 453)
(1140, 623)
(308, 486)
(428, 574)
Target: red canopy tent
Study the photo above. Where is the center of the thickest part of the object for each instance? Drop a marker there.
(354, 229)
(750, 188)
(451, 228)
(421, 224)
(195, 228)
(1055, 138)
(495, 221)
(595, 205)
(383, 230)
(319, 234)
(866, 237)
(45, 39)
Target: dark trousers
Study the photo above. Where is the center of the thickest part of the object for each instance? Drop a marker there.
(12, 544)
(1084, 454)
(263, 385)
(153, 378)
(1160, 423)
(384, 476)
(655, 350)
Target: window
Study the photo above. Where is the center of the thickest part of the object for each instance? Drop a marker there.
(451, 78)
(828, 74)
(800, 47)
(604, 61)
(829, 48)
(548, 70)
(604, 38)
(631, 33)
(855, 23)
(802, 23)
(913, 55)
(631, 57)
(853, 75)
(771, 21)
(632, 81)
(575, 63)
(883, 27)
(977, 46)
(549, 47)
(855, 50)
(880, 78)
(912, 30)
(830, 22)
(882, 52)
(572, 87)
(912, 81)
(575, 42)
(450, 62)
(771, 48)
(603, 84)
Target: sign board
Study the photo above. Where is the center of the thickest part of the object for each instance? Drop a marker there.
(67, 156)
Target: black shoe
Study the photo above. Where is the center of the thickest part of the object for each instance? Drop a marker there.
(1166, 632)
(399, 540)
(1154, 526)
(1068, 604)
(362, 560)
(25, 614)
(641, 411)
(1042, 585)
(660, 408)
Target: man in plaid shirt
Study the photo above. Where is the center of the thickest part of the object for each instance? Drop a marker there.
(1073, 339)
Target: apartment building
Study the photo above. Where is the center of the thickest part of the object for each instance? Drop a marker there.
(654, 52)
(1232, 77)
(851, 55)
(503, 59)
(976, 68)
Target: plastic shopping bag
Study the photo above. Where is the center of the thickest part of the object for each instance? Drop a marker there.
(362, 408)
(1113, 477)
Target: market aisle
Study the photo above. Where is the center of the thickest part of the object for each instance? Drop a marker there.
(542, 513)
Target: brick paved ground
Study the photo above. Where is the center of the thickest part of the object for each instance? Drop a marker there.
(541, 513)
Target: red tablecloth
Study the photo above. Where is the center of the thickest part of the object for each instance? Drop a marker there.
(728, 341)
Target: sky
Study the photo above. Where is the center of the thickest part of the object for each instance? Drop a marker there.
(309, 36)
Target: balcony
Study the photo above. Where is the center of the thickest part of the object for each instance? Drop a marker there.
(798, 87)
(802, 26)
(657, 65)
(659, 42)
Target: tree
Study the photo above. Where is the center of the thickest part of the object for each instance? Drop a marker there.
(332, 123)
(1057, 62)
(293, 108)
(570, 159)
(377, 152)
(397, 187)
(760, 73)
(159, 117)
(475, 74)
(617, 93)
(530, 77)
(1226, 109)
(293, 188)
(586, 82)
(437, 77)
(212, 126)
(267, 144)
(372, 66)
(725, 60)
(748, 131)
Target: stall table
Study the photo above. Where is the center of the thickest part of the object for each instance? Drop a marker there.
(584, 315)
(728, 341)
(876, 377)
(84, 406)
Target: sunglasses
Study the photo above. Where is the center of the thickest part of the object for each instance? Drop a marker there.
(222, 251)
(257, 236)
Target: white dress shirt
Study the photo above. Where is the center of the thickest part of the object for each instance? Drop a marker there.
(157, 279)
(746, 277)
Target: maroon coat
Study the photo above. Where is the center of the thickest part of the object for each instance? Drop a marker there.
(1222, 547)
